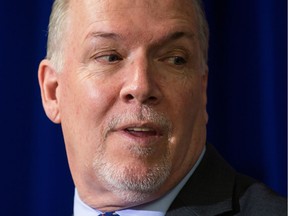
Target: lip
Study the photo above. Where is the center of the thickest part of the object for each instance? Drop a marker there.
(148, 128)
(146, 133)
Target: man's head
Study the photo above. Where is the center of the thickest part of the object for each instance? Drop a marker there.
(127, 81)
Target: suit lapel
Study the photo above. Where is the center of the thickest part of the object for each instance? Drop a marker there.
(210, 189)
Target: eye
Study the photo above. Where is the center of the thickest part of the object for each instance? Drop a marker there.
(108, 58)
(176, 60)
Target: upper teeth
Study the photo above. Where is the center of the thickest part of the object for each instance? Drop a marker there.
(139, 129)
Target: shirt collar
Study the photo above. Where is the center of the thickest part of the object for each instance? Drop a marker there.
(158, 207)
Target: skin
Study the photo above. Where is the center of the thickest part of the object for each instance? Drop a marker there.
(130, 64)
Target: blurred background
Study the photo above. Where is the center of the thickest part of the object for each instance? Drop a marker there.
(247, 102)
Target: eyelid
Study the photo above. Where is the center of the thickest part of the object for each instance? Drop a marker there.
(104, 52)
(107, 53)
(183, 52)
(175, 53)
(173, 61)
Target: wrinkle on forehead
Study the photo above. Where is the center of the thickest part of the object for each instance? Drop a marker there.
(86, 13)
(146, 17)
(151, 6)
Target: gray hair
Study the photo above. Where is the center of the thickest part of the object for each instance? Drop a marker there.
(203, 28)
(58, 27)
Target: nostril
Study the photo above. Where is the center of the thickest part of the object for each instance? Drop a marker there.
(152, 98)
(129, 97)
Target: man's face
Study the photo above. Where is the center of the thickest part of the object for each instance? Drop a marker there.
(132, 96)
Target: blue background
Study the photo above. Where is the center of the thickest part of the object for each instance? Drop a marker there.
(247, 102)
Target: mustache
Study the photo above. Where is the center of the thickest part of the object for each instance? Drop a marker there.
(144, 114)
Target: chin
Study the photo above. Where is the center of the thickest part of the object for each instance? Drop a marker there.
(133, 181)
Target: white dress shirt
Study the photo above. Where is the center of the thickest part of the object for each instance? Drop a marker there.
(158, 207)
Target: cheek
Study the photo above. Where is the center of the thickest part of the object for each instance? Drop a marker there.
(186, 99)
(87, 100)
(186, 102)
(83, 107)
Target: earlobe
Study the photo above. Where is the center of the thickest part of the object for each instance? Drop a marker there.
(48, 81)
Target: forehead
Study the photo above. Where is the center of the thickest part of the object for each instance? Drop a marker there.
(84, 13)
(183, 6)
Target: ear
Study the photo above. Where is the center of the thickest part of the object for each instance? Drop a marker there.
(204, 91)
(48, 81)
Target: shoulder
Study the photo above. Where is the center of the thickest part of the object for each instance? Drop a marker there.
(260, 200)
(215, 188)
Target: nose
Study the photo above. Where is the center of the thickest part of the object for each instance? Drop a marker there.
(141, 84)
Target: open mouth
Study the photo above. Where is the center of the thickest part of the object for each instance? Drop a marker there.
(141, 131)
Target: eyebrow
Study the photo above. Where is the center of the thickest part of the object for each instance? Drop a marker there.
(106, 35)
(166, 39)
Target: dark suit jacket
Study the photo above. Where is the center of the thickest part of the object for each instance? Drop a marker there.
(216, 189)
